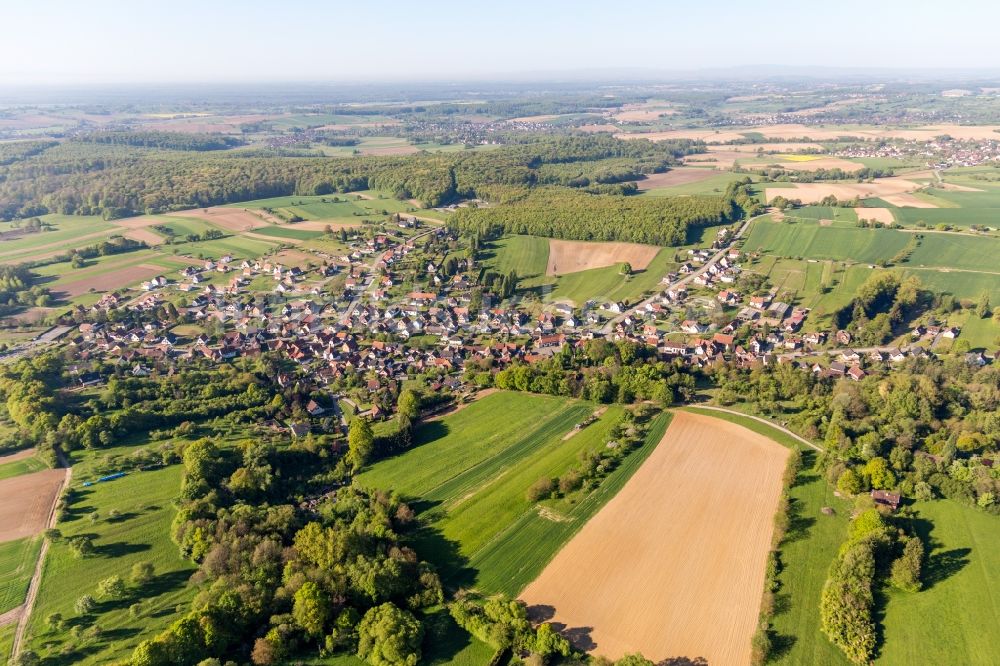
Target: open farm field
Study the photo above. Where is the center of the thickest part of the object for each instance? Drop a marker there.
(470, 474)
(809, 547)
(959, 251)
(347, 207)
(820, 133)
(287, 232)
(17, 563)
(883, 215)
(897, 191)
(673, 566)
(573, 256)
(787, 162)
(27, 501)
(225, 217)
(715, 182)
(17, 465)
(674, 177)
(810, 240)
(527, 256)
(70, 232)
(847, 216)
(141, 533)
(606, 284)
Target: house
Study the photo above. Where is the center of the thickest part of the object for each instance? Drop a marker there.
(693, 327)
(886, 498)
(314, 408)
(856, 373)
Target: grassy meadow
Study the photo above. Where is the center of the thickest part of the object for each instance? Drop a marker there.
(140, 532)
(23, 466)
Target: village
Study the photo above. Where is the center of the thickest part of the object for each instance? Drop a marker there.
(354, 327)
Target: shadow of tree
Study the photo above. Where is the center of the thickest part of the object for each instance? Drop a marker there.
(943, 565)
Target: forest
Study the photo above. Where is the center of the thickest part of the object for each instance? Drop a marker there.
(116, 180)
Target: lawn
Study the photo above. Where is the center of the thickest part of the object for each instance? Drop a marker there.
(809, 240)
(140, 533)
(17, 563)
(469, 474)
(19, 467)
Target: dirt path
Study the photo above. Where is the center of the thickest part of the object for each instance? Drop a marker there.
(596, 415)
(36, 578)
(764, 421)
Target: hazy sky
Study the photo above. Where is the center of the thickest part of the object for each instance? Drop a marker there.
(88, 41)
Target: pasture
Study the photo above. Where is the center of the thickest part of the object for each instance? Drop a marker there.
(660, 569)
(17, 563)
(607, 284)
(140, 533)
(961, 592)
(468, 476)
(343, 207)
(528, 256)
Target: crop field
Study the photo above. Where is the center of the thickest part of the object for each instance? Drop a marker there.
(287, 232)
(809, 547)
(525, 255)
(573, 256)
(70, 232)
(660, 569)
(17, 563)
(832, 213)
(22, 466)
(140, 533)
(27, 500)
(608, 284)
(470, 476)
(714, 183)
(961, 593)
(675, 177)
(958, 251)
(348, 207)
(812, 241)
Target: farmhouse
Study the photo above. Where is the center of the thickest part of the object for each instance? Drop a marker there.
(886, 498)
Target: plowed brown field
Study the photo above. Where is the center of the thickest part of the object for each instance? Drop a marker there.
(27, 501)
(572, 256)
(673, 566)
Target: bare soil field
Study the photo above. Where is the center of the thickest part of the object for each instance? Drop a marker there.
(137, 222)
(571, 256)
(207, 124)
(812, 192)
(673, 566)
(27, 502)
(113, 279)
(907, 201)
(883, 215)
(146, 236)
(598, 128)
(295, 258)
(645, 112)
(798, 131)
(14, 457)
(807, 165)
(233, 219)
(321, 225)
(680, 176)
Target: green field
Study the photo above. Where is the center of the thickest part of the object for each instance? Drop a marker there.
(17, 563)
(469, 475)
(835, 213)
(809, 240)
(70, 231)
(525, 255)
(955, 619)
(289, 231)
(140, 533)
(714, 184)
(349, 208)
(19, 467)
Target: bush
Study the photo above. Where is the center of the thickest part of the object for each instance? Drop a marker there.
(541, 489)
(142, 573)
(907, 567)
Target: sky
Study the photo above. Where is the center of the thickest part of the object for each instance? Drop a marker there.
(192, 41)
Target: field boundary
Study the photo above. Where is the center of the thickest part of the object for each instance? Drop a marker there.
(759, 419)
